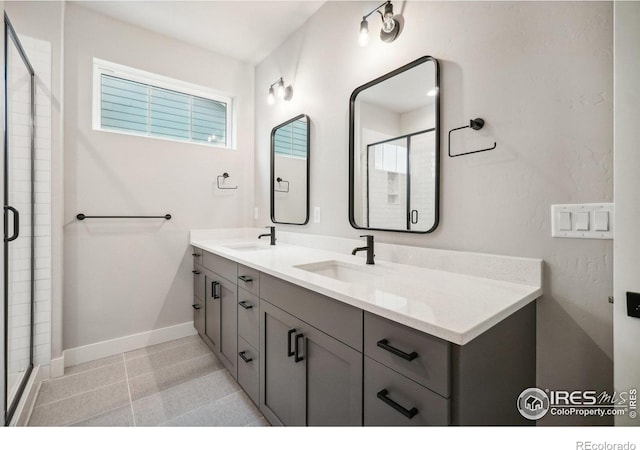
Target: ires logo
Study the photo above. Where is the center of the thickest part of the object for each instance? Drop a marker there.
(534, 403)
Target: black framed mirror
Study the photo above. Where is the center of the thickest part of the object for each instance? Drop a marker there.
(394, 147)
(290, 151)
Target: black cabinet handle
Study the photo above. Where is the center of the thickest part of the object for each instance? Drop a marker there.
(408, 413)
(298, 358)
(195, 272)
(384, 344)
(196, 306)
(195, 254)
(289, 334)
(215, 289)
(244, 358)
(245, 278)
(245, 305)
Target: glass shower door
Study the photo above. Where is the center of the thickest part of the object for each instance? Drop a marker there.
(18, 220)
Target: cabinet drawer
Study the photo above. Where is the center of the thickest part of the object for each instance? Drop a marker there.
(390, 398)
(387, 341)
(249, 279)
(249, 370)
(221, 266)
(197, 256)
(198, 282)
(337, 319)
(248, 317)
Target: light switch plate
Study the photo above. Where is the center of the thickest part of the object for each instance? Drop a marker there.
(586, 221)
(316, 214)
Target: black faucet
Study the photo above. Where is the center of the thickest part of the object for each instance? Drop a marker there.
(368, 248)
(272, 235)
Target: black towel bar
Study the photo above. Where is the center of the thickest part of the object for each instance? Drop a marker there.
(82, 217)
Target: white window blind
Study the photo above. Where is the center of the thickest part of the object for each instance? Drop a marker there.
(128, 104)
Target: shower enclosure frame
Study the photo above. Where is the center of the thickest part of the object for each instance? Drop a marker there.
(9, 408)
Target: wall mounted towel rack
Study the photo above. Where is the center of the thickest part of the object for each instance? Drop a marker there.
(224, 176)
(83, 216)
(281, 181)
(474, 124)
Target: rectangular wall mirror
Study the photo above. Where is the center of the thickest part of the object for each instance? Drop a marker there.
(290, 171)
(394, 144)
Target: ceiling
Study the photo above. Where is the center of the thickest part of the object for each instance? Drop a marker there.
(245, 30)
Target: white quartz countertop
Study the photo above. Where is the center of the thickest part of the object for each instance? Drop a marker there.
(452, 306)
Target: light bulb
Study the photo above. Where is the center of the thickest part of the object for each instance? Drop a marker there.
(280, 89)
(388, 24)
(364, 33)
(272, 97)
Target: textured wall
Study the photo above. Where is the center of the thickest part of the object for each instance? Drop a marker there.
(627, 186)
(124, 277)
(541, 75)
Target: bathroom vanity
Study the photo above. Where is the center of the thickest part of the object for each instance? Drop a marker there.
(316, 337)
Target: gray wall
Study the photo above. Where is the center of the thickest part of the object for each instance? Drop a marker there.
(124, 277)
(541, 76)
(627, 186)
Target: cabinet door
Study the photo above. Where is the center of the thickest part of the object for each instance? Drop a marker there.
(221, 319)
(213, 291)
(334, 381)
(282, 379)
(229, 326)
(198, 315)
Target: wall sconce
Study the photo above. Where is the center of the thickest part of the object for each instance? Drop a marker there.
(278, 89)
(390, 26)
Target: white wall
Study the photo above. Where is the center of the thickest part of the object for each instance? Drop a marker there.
(128, 276)
(626, 188)
(540, 74)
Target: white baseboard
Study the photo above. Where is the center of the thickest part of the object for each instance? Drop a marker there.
(25, 407)
(91, 352)
(56, 368)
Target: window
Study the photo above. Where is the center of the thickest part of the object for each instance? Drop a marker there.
(291, 140)
(131, 101)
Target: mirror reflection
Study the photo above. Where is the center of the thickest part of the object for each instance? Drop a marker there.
(394, 145)
(290, 171)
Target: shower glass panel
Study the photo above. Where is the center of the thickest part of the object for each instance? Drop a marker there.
(18, 220)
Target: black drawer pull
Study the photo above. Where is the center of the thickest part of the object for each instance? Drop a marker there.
(289, 334)
(245, 278)
(195, 254)
(408, 413)
(196, 306)
(215, 289)
(298, 358)
(245, 305)
(195, 272)
(244, 358)
(384, 343)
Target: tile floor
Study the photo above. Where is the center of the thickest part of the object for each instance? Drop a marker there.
(178, 383)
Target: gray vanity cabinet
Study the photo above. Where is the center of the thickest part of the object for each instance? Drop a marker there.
(306, 376)
(221, 315)
(198, 291)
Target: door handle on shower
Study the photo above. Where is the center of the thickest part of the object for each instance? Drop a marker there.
(16, 223)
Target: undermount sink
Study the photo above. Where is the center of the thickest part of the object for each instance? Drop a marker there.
(341, 271)
(248, 247)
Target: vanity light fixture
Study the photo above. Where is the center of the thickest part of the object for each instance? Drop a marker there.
(278, 89)
(390, 25)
